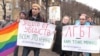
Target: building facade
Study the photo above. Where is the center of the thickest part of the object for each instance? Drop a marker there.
(12, 8)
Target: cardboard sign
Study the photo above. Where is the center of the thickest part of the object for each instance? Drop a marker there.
(81, 38)
(35, 34)
(54, 13)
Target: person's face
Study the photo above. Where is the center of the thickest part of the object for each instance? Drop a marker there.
(22, 16)
(89, 19)
(35, 11)
(7, 19)
(65, 20)
(82, 20)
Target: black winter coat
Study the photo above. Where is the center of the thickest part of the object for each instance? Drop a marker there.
(39, 18)
(58, 39)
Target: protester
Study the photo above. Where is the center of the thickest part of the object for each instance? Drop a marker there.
(6, 22)
(22, 15)
(34, 15)
(90, 20)
(77, 22)
(58, 40)
(82, 21)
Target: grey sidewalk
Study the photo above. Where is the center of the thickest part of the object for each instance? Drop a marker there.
(44, 53)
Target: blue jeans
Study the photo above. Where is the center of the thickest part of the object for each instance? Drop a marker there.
(26, 51)
(86, 54)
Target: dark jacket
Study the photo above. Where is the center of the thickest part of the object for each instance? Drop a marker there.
(39, 18)
(58, 39)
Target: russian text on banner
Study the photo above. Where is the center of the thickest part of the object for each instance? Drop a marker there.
(81, 38)
(35, 34)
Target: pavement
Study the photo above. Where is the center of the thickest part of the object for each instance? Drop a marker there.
(43, 52)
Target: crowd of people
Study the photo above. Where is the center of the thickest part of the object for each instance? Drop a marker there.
(34, 15)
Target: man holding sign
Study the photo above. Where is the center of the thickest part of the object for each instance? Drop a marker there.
(34, 15)
(83, 21)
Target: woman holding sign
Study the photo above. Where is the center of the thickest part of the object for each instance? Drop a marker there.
(58, 40)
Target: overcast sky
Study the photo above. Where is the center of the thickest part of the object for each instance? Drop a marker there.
(92, 3)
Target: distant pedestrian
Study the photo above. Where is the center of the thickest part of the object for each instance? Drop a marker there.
(6, 22)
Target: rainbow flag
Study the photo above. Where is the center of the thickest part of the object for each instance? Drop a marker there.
(8, 39)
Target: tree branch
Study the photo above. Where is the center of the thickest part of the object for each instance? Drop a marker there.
(4, 9)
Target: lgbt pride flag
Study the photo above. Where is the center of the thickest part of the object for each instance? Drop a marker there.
(8, 39)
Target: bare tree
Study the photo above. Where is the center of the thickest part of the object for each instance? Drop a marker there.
(3, 5)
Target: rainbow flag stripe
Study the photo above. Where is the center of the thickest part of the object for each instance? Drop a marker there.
(8, 38)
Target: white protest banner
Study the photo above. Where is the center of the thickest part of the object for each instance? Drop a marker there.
(35, 34)
(54, 13)
(81, 38)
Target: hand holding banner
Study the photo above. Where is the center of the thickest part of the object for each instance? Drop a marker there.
(35, 34)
